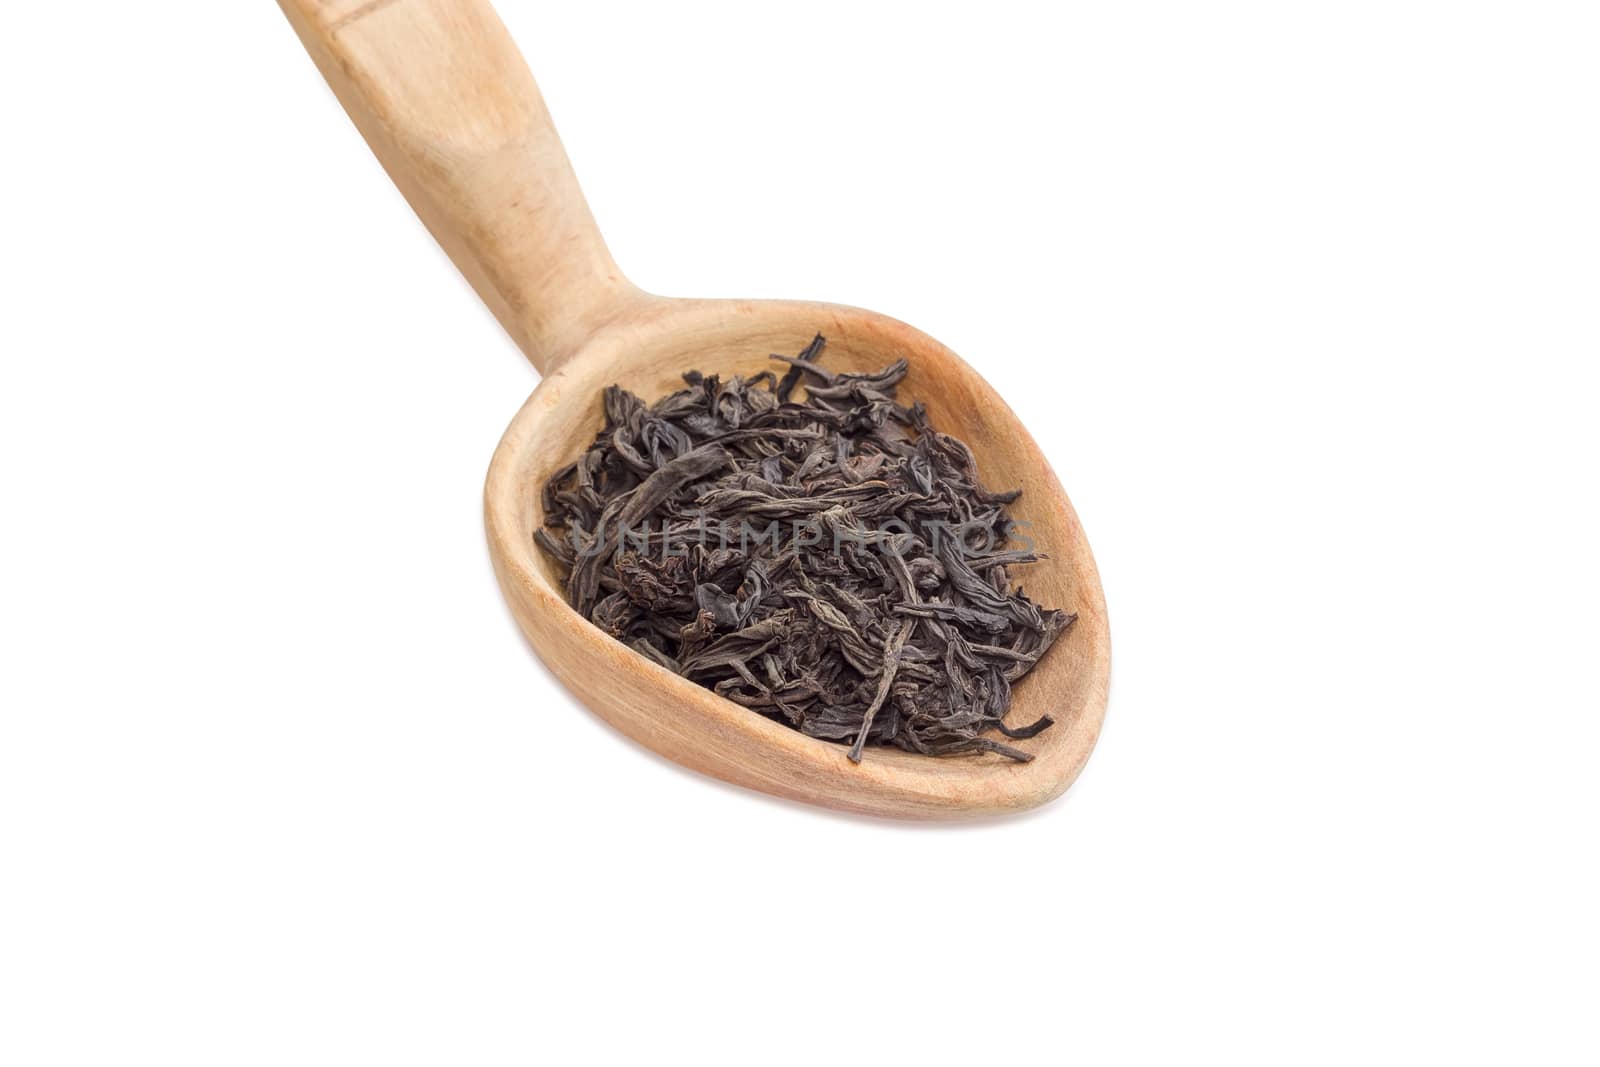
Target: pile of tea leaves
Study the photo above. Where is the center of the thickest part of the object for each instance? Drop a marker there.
(831, 563)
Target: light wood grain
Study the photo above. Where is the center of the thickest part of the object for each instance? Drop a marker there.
(446, 102)
(443, 97)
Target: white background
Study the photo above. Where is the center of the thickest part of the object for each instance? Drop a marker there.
(1301, 301)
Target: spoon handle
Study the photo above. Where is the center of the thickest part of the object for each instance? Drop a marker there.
(446, 102)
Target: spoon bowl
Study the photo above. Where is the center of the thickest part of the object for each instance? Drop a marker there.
(446, 103)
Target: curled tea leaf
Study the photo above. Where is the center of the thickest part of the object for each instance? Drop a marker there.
(832, 563)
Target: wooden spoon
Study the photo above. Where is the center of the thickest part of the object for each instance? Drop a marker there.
(446, 102)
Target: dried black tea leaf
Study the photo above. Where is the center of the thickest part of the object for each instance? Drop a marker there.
(833, 564)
